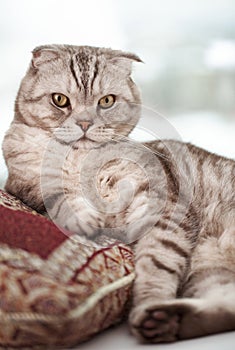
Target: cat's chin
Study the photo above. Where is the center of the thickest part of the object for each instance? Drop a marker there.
(85, 144)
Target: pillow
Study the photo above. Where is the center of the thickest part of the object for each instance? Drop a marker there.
(56, 290)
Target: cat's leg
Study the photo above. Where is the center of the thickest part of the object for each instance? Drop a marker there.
(207, 304)
(161, 263)
(76, 215)
(211, 284)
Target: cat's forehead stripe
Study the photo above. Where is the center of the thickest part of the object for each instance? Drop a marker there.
(84, 69)
(73, 71)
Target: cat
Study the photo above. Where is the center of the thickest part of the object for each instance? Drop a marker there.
(68, 154)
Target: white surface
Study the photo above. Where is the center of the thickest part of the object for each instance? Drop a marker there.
(118, 338)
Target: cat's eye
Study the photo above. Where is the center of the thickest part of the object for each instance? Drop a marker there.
(106, 101)
(60, 100)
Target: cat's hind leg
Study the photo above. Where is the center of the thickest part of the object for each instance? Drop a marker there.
(211, 284)
(207, 303)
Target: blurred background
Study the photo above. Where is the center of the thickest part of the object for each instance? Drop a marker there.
(188, 49)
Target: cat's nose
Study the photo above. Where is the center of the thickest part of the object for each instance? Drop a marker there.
(84, 125)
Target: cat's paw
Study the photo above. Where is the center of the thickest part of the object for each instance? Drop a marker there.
(155, 324)
(169, 321)
(87, 222)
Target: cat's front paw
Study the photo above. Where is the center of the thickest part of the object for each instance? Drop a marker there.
(86, 221)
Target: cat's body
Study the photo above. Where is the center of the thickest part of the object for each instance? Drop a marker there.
(176, 198)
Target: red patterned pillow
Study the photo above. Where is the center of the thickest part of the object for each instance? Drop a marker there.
(56, 290)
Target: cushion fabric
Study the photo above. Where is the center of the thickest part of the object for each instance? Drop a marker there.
(56, 289)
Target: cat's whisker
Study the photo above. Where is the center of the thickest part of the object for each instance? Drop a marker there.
(117, 136)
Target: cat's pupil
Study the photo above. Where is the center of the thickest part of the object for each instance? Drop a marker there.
(107, 100)
(59, 98)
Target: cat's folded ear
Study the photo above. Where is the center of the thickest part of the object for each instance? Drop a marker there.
(124, 61)
(43, 54)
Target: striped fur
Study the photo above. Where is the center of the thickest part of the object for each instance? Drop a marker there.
(185, 284)
(173, 201)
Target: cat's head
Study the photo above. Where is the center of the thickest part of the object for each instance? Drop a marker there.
(81, 94)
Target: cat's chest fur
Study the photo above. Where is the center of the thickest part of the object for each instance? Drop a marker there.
(115, 187)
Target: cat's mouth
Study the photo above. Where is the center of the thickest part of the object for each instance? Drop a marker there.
(84, 143)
